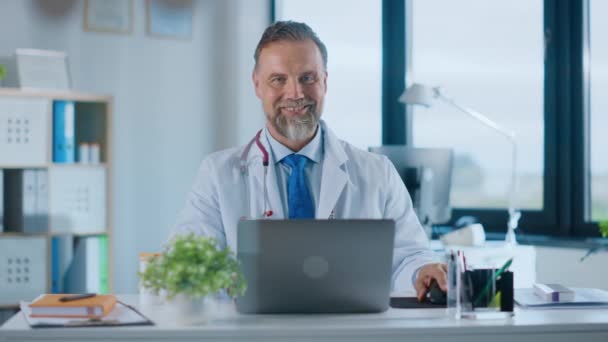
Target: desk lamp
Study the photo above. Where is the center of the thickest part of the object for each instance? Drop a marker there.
(418, 94)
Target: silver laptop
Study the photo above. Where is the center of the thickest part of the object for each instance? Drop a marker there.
(315, 266)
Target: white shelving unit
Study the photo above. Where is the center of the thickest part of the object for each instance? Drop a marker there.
(78, 195)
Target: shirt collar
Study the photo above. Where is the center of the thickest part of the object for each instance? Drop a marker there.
(313, 150)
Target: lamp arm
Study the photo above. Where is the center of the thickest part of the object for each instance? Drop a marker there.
(477, 116)
(514, 214)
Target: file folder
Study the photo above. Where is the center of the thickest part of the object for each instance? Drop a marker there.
(63, 132)
(62, 250)
(22, 213)
(88, 271)
(1, 201)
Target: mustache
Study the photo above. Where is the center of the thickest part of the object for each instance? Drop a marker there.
(295, 103)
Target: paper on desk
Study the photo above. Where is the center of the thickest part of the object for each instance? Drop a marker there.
(583, 298)
(120, 315)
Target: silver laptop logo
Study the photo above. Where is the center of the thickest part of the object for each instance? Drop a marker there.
(315, 267)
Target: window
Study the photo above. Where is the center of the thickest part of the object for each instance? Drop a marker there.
(598, 27)
(538, 67)
(486, 55)
(353, 36)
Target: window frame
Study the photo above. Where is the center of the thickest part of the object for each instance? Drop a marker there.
(566, 195)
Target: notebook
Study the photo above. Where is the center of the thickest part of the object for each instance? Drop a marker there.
(122, 315)
(48, 305)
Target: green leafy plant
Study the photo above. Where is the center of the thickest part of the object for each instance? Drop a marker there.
(2, 72)
(603, 228)
(603, 225)
(193, 265)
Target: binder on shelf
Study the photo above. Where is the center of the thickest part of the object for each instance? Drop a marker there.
(22, 193)
(42, 198)
(64, 137)
(88, 272)
(92, 262)
(104, 284)
(62, 249)
(1, 201)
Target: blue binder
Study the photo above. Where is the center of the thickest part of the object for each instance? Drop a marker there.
(63, 132)
(61, 259)
(55, 268)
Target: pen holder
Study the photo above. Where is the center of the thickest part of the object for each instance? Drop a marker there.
(478, 293)
(486, 293)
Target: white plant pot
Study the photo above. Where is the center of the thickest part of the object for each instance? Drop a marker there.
(190, 311)
(148, 298)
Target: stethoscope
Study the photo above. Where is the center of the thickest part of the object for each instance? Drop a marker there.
(265, 162)
(244, 172)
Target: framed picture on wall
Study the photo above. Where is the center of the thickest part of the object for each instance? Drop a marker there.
(169, 18)
(111, 16)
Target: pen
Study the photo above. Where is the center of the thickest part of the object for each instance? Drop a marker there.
(76, 297)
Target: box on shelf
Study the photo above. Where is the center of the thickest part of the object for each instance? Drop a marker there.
(24, 135)
(77, 198)
(24, 273)
(36, 69)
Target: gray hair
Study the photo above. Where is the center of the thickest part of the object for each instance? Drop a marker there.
(290, 31)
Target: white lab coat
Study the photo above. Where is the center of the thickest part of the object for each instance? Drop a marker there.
(356, 183)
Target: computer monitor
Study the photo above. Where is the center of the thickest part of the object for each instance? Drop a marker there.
(421, 168)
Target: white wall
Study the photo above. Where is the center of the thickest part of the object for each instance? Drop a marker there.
(563, 266)
(175, 102)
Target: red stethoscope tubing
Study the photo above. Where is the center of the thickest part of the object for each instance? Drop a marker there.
(265, 161)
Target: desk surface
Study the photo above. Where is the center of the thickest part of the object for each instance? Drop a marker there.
(393, 325)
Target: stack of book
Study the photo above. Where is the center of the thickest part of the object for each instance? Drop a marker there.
(75, 310)
(72, 306)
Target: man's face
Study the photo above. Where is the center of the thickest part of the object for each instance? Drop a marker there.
(291, 81)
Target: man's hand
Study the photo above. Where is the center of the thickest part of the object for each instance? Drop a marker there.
(437, 271)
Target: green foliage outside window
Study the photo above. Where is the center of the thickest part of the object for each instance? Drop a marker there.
(604, 228)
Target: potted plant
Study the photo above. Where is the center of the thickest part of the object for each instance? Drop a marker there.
(191, 271)
(602, 245)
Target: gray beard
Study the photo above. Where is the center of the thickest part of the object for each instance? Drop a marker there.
(296, 129)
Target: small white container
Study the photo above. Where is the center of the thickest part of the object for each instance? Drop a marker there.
(94, 156)
(84, 153)
(146, 296)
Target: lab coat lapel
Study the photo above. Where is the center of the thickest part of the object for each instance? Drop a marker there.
(333, 177)
(274, 196)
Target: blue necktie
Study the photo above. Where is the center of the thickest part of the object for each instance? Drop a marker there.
(298, 196)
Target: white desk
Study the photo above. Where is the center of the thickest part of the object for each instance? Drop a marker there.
(393, 325)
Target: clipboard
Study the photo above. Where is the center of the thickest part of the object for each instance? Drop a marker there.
(122, 315)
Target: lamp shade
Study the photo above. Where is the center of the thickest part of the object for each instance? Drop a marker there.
(418, 94)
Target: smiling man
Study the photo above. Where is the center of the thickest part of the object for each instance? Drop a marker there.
(297, 168)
